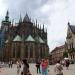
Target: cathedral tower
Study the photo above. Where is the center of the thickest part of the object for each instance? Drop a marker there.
(6, 23)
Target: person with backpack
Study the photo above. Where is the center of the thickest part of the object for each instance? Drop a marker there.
(58, 68)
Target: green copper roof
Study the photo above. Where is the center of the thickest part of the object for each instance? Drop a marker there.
(39, 39)
(6, 41)
(17, 38)
(29, 38)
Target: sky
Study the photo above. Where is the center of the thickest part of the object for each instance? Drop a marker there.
(54, 14)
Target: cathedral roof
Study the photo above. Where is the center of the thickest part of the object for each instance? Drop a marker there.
(30, 38)
(17, 38)
(26, 18)
(72, 28)
(39, 39)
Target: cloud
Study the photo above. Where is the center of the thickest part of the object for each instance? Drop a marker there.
(53, 13)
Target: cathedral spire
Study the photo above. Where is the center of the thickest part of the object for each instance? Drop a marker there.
(12, 22)
(26, 18)
(40, 26)
(43, 27)
(20, 20)
(7, 16)
(46, 30)
(36, 23)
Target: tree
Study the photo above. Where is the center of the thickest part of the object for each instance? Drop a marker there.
(65, 54)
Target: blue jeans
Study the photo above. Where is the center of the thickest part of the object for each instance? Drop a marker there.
(44, 72)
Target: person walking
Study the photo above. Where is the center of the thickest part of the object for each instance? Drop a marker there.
(38, 67)
(18, 67)
(44, 66)
(11, 63)
(25, 68)
(58, 68)
(67, 63)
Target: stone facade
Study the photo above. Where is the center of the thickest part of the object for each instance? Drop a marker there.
(57, 54)
(70, 40)
(24, 40)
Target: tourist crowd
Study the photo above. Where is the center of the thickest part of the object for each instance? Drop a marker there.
(42, 67)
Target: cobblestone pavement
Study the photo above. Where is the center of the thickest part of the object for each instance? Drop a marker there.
(12, 71)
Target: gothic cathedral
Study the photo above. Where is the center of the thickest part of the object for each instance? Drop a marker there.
(22, 40)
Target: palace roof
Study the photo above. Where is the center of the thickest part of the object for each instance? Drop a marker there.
(72, 28)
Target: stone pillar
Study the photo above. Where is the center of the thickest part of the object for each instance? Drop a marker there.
(22, 46)
(22, 50)
(33, 51)
(12, 50)
(15, 51)
(39, 50)
(44, 50)
(29, 51)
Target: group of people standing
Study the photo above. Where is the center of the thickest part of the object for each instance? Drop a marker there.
(42, 66)
(25, 70)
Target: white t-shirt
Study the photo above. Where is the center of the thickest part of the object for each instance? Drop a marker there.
(58, 68)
